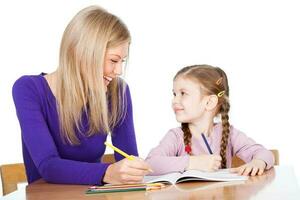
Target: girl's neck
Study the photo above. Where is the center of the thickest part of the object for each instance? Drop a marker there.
(202, 126)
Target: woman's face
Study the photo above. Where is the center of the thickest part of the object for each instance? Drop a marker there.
(113, 62)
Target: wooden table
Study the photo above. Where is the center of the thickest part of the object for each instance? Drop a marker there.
(277, 183)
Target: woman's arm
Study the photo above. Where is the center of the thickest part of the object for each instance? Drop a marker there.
(40, 145)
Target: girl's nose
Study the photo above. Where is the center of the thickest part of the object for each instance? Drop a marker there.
(174, 100)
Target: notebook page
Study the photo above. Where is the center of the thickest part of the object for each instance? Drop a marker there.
(220, 175)
(171, 178)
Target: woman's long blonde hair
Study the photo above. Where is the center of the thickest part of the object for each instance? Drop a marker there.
(212, 81)
(80, 87)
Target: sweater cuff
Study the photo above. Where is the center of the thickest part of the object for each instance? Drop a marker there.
(102, 173)
(183, 165)
(267, 157)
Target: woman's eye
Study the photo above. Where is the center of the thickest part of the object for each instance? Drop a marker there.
(114, 61)
(174, 94)
(182, 93)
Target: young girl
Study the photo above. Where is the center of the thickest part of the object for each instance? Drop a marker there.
(201, 93)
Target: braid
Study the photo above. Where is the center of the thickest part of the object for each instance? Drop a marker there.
(187, 136)
(225, 131)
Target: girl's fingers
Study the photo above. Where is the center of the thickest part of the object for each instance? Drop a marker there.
(218, 158)
(234, 170)
(260, 171)
(218, 163)
(215, 167)
(254, 171)
(241, 170)
(247, 171)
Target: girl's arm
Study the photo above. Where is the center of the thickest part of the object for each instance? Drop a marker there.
(166, 157)
(247, 149)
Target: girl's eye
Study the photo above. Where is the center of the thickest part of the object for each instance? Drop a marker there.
(174, 94)
(182, 93)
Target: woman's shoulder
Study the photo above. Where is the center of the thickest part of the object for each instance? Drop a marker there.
(27, 84)
(27, 80)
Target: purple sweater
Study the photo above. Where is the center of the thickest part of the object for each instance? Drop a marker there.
(46, 155)
(170, 156)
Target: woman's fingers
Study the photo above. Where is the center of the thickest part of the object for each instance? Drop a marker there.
(136, 167)
(127, 171)
(139, 163)
(135, 171)
(127, 178)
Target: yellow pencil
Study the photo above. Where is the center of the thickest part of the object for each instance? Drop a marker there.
(119, 151)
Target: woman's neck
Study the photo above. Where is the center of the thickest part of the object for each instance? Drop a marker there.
(52, 79)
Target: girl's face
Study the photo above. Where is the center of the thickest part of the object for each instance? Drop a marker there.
(113, 62)
(188, 103)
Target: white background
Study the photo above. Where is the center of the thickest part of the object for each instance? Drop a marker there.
(256, 42)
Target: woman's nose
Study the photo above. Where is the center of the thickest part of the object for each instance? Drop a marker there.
(118, 69)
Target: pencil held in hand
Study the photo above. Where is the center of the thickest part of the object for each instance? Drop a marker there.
(129, 157)
(119, 151)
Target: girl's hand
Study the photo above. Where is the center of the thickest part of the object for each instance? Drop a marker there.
(255, 167)
(207, 163)
(127, 171)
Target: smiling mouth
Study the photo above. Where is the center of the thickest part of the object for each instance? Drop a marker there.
(178, 110)
(108, 79)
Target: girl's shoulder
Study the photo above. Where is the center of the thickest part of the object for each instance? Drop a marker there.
(175, 133)
(233, 130)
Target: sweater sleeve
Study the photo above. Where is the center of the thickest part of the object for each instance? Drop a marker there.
(123, 135)
(247, 149)
(40, 144)
(165, 158)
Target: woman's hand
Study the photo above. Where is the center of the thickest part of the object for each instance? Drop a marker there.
(127, 171)
(207, 163)
(253, 168)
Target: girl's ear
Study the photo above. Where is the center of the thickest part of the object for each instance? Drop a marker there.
(212, 102)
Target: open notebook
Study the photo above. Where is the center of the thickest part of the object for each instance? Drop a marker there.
(195, 175)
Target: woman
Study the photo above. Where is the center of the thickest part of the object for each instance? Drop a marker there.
(65, 116)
